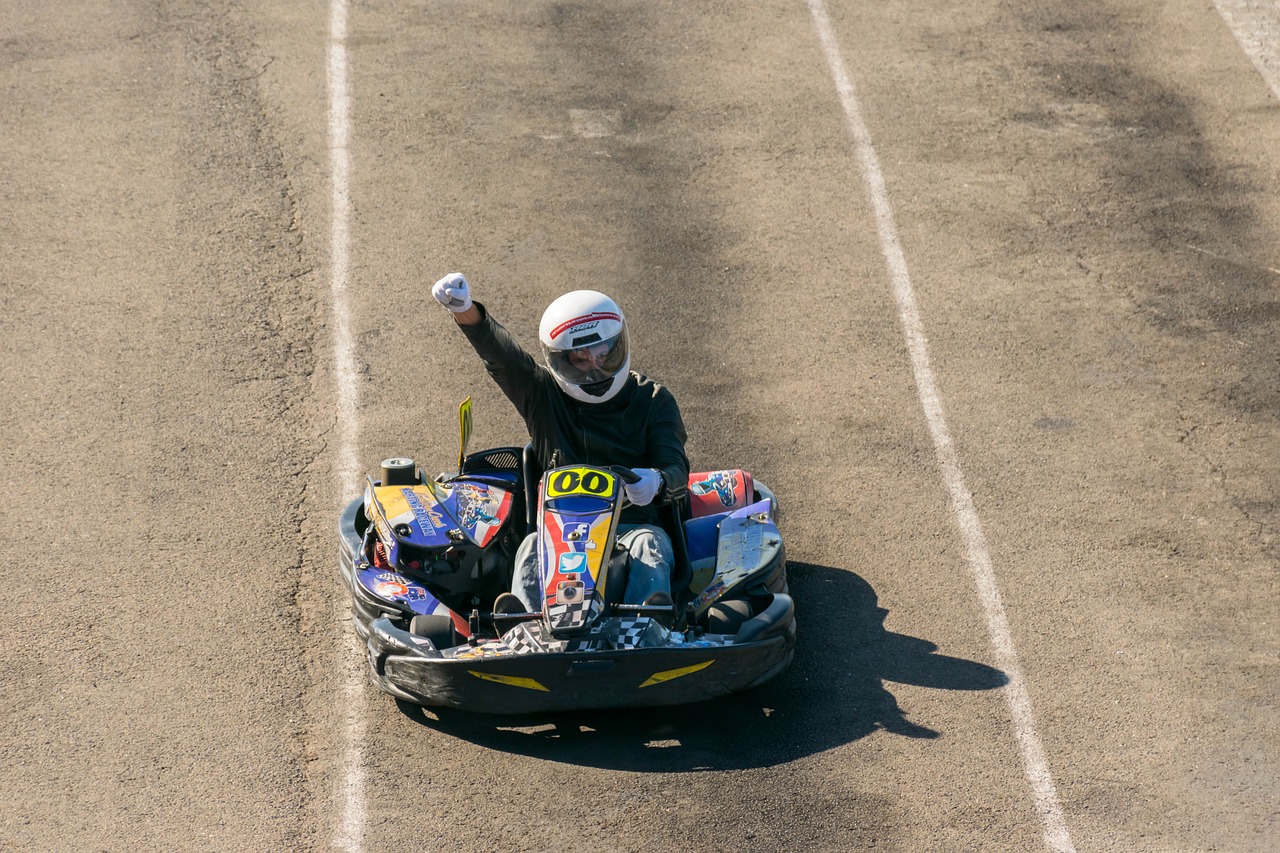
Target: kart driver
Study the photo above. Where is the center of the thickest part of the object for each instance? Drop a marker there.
(585, 406)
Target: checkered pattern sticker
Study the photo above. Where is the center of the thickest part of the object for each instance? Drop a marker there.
(630, 632)
(531, 637)
(521, 643)
(571, 615)
(486, 649)
(626, 632)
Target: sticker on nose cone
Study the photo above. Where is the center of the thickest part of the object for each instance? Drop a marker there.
(570, 593)
(576, 532)
(573, 563)
(580, 481)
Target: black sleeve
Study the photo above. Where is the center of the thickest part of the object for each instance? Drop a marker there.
(515, 371)
(665, 440)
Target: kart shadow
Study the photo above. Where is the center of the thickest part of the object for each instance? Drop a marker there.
(832, 694)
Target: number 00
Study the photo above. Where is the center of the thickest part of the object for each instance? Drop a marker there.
(595, 483)
(569, 482)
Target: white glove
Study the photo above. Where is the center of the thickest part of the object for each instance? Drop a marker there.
(643, 491)
(452, 292)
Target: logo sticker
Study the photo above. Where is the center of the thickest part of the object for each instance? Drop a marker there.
(573, 563)
(390, 585)
(477, 506)
(569, 592)
(427, 517)
(576, 532)
(577, 322)
(723, 483)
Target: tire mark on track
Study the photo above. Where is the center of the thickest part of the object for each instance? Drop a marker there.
(1176, 223)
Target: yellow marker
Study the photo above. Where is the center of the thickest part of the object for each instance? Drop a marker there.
(513, 680)
(668, 675)
(580, 481)
(464, 430)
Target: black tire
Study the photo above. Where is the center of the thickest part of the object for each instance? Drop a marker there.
(436, 628)
(398, 471)
(775, 618)
(727, 616)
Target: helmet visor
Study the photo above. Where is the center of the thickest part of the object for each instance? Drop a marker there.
(596, 361)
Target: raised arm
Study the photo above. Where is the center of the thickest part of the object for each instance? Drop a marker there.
(515, 371)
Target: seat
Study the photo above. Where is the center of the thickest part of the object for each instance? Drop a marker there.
(712, 496)
(531, 468)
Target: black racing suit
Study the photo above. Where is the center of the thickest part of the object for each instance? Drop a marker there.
(640, 427)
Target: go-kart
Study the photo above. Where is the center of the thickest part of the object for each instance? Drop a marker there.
(424, 560)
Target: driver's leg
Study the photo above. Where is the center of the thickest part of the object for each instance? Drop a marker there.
(524, 580)
(652, 557)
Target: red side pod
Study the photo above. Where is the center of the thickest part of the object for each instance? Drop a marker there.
(713, 492)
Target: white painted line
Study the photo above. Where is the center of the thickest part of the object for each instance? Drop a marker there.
(349, 834)
(339, 250)
(1256, 25)
(1037, 770)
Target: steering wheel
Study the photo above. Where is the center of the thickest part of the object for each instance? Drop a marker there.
(625, 474)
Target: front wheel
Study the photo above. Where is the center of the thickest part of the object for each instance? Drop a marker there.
(727, 616)
(436, 628)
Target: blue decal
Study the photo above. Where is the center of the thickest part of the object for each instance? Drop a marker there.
(474, 503)
(579, 532)
(428, 519)
(573, 563)
(721, 482)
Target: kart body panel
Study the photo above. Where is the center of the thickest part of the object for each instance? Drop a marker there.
(435, 554)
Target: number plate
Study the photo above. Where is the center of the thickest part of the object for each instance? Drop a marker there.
(581, 481)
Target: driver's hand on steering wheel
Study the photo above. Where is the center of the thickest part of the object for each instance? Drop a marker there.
(644, 490)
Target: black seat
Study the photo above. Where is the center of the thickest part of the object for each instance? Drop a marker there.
(674, 515)
(532, 470)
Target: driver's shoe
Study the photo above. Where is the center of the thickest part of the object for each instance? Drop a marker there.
(503, 606)
(662, 599)
(508, 603)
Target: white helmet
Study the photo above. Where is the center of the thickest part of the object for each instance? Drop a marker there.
(584, 342)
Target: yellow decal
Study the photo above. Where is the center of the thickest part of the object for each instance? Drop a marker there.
(400, 503)
(599, 533)
(581, 481)
(668, 675)
(464, 430)
(513, 680)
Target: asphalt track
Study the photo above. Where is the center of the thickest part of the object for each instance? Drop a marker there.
(1085, 200)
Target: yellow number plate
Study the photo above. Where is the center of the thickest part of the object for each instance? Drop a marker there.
(581, 481)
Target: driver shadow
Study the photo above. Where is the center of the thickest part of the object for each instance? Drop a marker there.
(832, 694)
